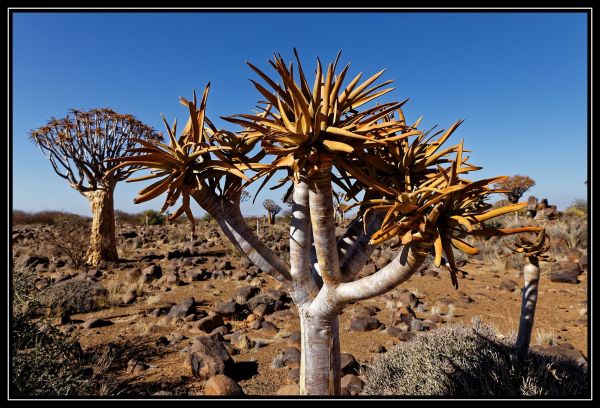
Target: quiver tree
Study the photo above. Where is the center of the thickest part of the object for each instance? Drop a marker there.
(535, 251)
(272, 209)
(514, 187)
(78, 147)
(340, 207)
(318, 136)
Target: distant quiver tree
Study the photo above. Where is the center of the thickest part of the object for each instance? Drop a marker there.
(79, 147)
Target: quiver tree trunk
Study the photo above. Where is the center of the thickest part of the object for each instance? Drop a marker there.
(103, 244)
(320, 364)
(531, 275)
(272, 218)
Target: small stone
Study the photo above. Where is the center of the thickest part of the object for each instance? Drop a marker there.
(565, 272)
(209, 323)
(268, 329)
(508, 285)
(362, 324)
(349, 364)
(204, 366)
(241, 341)
(152, 272)
(225, 308)
(290, 389)
(211, 345)
(94, 323)
(291, 358)
(225, 265)
(351, 385)
(173, 279)
(129, 297)
(294, 340)
(222, 385)
(293, 376)
(182, 309)
(162, 341)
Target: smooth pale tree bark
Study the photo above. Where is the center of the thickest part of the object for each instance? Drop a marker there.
(322, 269)
(233, 225)
(103, 243)
(531, 276)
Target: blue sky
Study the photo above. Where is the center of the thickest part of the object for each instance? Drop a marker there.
(518, 79)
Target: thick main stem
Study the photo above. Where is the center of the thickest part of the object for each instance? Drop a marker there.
(320, 369)
(103, 243)
(304, 286)
(322, 215)
(531, 275)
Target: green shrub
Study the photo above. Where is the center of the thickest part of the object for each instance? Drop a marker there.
(153, 217)
(461, 361)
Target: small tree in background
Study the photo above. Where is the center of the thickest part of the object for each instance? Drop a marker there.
(152, 217)
(272, 208)
(514, 187)
(78, 147)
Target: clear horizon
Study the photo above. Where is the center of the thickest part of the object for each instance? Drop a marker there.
(518, 79)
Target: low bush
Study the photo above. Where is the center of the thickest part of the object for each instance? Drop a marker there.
(44, 362)
(73, 296)
(462, 361)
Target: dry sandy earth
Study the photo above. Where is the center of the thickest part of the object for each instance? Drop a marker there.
(561, 315)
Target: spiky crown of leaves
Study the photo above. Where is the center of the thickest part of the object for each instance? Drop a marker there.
(326, 127)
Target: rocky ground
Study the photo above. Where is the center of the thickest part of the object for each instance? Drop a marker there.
(182, 315)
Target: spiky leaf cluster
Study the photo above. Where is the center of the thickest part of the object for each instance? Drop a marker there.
(185, 164)
(533, 249)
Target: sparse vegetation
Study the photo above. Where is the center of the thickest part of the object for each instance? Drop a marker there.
(152, 217)
(462, 361)
(73, 296)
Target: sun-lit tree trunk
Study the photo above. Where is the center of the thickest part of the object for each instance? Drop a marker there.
(103, 243)
(531, 276)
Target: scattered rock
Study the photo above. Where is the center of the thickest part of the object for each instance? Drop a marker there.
(162, 341)
(209, 323)
(294, 340)
(94, 323)
(151, 273)
(351, 385)
(225, 265)
(293, 376)
(241, 341)
(226, 309)
(349, 364)
(268, 329)
(566, 272)
(204, 366)
(173, 279)
(33, 261)
(211, 346)
(364, 323)
(291, 358)
(222, 385)
(509, 285)
(129, 297)
(182, 309)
